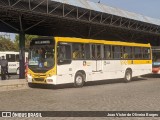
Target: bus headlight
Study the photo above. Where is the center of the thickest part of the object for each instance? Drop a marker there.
(29, 78)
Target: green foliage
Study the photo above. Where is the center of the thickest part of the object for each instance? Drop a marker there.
(6, 44)
(28, 38)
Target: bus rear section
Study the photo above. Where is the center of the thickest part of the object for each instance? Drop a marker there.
(156, 60)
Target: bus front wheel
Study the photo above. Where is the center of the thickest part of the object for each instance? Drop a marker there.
(128, 75)
(79, 80)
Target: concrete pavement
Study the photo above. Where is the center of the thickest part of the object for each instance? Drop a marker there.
(138, 95)
(13, 84)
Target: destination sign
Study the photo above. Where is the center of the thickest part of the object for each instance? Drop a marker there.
(42, 42)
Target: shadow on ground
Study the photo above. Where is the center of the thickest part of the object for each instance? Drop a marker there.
(151, 76)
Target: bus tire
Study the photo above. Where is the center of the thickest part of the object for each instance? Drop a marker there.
(79, 80)
(128, 75)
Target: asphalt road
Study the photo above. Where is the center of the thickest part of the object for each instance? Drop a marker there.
(113, 95)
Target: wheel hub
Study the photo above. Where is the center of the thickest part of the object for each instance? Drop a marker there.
(79, 80)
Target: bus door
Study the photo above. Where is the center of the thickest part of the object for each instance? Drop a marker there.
(64, 68)
(97, 56)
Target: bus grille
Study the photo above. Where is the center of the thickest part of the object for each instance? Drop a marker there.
(39, 79)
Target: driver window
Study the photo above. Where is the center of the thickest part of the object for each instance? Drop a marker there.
(64, 54)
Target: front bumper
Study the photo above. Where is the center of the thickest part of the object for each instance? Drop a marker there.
(42, 80)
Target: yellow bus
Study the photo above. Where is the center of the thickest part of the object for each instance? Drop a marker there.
(62, 60)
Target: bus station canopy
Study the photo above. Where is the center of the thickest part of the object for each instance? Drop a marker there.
(77, 18)
(99, 7)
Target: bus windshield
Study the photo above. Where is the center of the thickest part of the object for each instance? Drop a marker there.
(41, 58)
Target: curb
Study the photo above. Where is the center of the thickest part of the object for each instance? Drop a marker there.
(13, 85)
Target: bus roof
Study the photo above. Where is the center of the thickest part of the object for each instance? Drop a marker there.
(81, 40)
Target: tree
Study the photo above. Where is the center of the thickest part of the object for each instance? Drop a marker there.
(6, 44)
(28, 38)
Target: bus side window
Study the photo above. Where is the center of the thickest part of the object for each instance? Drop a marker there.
(78, 51)
(146, 53)
(127, 52)
(107, 52)
(87, 51)
(117, 52)
(64, 54)
(93, 52)
(10, 57)
(137, 53)
(17, 58)
(99, 52)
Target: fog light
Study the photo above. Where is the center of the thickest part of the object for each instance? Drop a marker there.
(49, 80)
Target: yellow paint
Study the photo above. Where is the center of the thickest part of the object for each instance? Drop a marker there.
(142, 61)
(42, 75)
(80, 40)
(135, 62)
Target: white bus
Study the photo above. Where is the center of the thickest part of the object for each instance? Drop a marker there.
(13, 60)
(62, 60)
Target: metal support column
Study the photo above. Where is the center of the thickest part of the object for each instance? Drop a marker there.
(21, 55)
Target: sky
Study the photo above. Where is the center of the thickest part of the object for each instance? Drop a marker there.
(150, 8)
